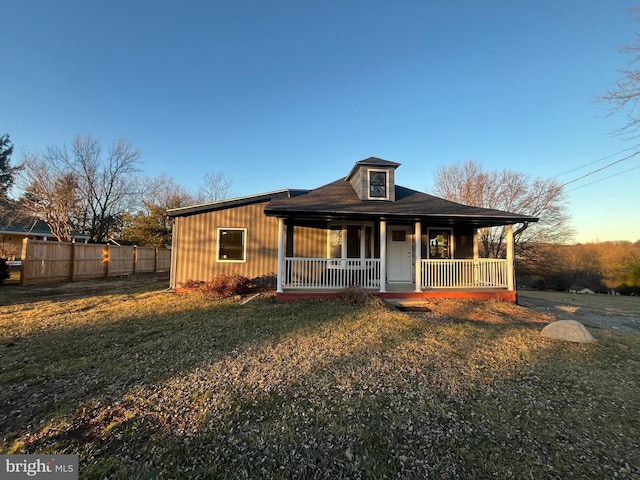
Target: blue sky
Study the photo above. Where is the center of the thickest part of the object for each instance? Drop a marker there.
(292, 93)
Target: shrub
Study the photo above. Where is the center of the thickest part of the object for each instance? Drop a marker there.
(4, 270)
(222, 286)
(355, 295)
(8, 250)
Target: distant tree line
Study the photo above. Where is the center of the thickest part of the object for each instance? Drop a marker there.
(604, 267)
(89, 189)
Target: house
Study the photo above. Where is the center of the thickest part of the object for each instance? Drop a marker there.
(362, 229)
(577, 289)
(14, 228)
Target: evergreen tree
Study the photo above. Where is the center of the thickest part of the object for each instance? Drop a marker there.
(7, 172)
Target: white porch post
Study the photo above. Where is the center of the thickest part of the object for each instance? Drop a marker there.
(383, 256)
(418, 256)
(476, 273)
(280, 254)
(475, 244)
(510, 259)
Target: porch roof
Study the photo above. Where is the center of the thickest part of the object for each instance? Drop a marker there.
(339, 200)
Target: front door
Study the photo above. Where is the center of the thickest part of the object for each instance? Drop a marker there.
(399, 254)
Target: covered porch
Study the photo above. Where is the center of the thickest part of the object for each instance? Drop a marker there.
(391, 263)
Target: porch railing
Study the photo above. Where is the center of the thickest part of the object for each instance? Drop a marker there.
(331, 272)
(478, 273)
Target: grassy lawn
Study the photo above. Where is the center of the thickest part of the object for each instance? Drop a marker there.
(148, 384)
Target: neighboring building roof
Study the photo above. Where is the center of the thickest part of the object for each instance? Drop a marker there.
(339, 199)
(233, 202)
(13, 224)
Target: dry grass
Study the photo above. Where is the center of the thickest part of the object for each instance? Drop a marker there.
(157, 385)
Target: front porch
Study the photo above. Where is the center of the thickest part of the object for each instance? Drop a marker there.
(390, 261)
(480, 279)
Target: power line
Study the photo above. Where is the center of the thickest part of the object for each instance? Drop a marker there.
(601, 168)
(605, 178)
(595, 161)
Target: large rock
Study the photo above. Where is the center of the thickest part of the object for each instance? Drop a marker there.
(569, 331)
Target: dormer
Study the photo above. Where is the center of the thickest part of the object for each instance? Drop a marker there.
(374, 179)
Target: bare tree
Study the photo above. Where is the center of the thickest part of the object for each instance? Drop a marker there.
(149, 225)
(215, 186)
(511, 191)
(624, 95)
(50, 195)
(103, 183)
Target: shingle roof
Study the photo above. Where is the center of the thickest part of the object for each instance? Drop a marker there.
(233, 202)
(372, 162)
(338, 199)
(12, 223)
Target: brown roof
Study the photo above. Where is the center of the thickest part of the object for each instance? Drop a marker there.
(338, 199)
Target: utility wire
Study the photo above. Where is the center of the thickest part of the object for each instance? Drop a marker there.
(605, 178)
(595, 161)
(601, 168)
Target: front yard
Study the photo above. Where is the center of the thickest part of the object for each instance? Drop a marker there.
(149, 384)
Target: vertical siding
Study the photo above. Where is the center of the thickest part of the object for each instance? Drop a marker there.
(309, 242)
(195, 244)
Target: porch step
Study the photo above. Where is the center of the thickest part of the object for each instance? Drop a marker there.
(407, 304)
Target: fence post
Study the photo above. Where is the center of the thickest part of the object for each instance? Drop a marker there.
(155, 260)
(106, 259)
(23, 256)
(72, 270)
(135, 258)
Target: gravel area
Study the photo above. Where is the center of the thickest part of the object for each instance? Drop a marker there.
(595, 311)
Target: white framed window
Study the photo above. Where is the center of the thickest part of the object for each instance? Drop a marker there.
(350, 240)
(440, 243)
(378, 185)
(232, 245)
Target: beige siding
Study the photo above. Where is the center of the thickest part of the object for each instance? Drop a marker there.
(195, 244)
(309, 242)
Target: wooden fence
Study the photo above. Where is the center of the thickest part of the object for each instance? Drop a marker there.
(47, 262)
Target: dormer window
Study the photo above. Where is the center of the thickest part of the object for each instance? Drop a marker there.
(374, 179)
(378, 184)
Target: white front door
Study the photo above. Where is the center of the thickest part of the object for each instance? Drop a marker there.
(399, 254)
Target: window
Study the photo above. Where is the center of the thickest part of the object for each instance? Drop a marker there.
(398, 236)
(353, 241)
(378, 184)
(350, 241)
(335, 242)
(440, 243)
(232, 244)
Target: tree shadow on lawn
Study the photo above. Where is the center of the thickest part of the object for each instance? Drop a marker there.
(48, 374)
(305, 390)
(410, 407)
(13, 294)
